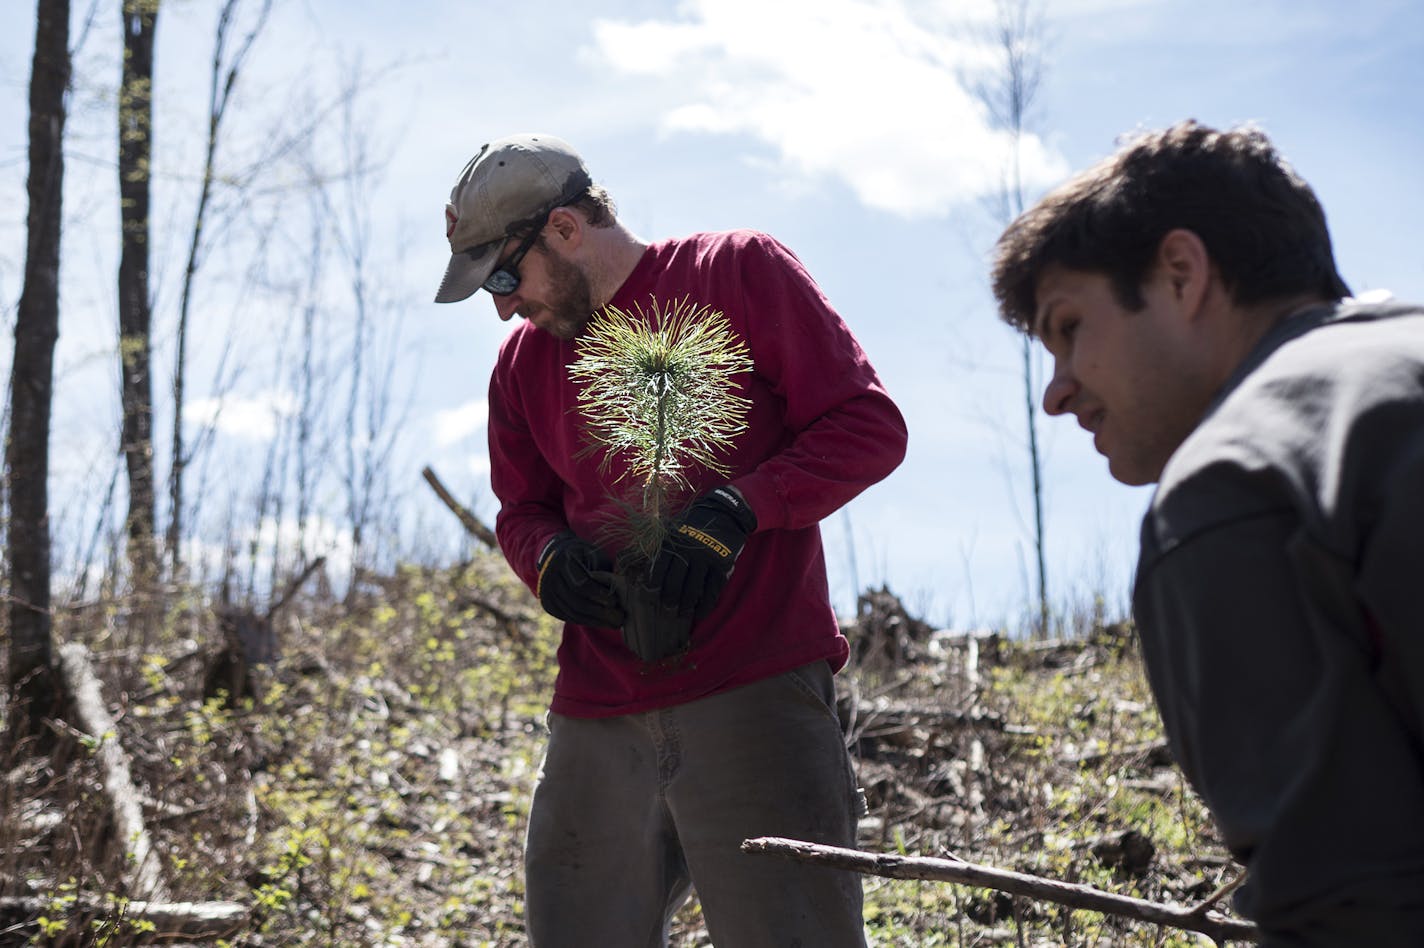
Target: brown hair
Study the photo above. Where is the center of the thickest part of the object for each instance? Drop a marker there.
(1260, 222)
(597, 206)
(594, 201)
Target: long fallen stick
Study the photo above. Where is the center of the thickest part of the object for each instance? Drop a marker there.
(1198, 918)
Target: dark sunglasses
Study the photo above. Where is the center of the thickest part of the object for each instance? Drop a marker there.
(505, 279)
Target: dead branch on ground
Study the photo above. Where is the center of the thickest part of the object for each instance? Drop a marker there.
(1198, 918)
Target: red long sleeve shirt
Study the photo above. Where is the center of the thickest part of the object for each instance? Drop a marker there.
(820, 429)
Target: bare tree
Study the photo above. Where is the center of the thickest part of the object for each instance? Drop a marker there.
(135, 108)
(225, 71)
(1009, 97)
(370, 430)
(32, 681)
(309, 395)
(355, 244)
(257, 194)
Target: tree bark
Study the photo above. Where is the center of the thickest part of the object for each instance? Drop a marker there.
(1198, 918)
(32, 681)
(140, 20)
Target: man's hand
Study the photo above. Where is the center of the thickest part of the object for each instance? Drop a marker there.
(696, 558)
(568, 588)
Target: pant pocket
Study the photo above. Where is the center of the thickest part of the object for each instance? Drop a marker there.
(816, 684)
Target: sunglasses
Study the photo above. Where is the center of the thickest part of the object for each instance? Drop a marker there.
(505, 279)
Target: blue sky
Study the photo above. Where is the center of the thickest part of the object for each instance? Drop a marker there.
(843, 127)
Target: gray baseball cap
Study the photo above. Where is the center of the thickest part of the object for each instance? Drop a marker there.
(509, 185)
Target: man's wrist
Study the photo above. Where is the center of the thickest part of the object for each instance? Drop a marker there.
(735, 503)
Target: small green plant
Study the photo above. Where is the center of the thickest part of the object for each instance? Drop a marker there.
(660, 393)
(54, 922)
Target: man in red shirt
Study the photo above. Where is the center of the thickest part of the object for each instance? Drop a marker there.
(657, 770)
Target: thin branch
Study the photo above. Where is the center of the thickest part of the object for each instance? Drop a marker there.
(1199, 918)
(1222, 892)
(472, 523)
(295, 585)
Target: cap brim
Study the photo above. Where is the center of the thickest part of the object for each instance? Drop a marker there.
(467, 271)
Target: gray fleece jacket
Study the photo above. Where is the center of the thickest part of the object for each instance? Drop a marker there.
(1280, 601)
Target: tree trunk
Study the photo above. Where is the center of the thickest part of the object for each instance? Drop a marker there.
(140, 20)
(32, 680)
(1035, 459)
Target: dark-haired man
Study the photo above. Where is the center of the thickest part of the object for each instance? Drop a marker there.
(657, 770)
(1187, 291)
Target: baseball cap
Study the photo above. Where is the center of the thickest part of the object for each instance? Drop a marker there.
(511, 183)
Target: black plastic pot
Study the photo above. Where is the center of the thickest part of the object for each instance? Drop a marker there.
(653, 631)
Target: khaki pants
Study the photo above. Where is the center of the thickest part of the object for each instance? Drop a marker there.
(631, 812)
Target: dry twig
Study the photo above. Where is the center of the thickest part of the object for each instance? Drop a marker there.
(473, 524)
(1198, 918)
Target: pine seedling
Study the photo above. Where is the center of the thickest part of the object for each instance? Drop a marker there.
(659, 393)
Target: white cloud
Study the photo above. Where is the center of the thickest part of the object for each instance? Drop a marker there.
(456, 424)
(865, 91)
(255, 418)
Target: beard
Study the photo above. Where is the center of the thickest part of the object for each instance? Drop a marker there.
(570, 304)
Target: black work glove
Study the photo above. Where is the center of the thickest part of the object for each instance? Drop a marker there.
(575, 584)
(697, 555)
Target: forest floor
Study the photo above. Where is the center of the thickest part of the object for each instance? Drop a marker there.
(375, 790)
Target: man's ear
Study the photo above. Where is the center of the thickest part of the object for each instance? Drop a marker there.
(566, 227)
(1183, 261)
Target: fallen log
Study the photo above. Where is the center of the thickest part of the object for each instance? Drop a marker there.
(1198, 918)
(144, 875)
(191, 920)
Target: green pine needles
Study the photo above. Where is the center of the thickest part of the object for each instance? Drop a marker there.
(659, 391)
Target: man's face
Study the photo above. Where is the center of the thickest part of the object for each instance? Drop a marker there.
(553, 294)
(1127, 376)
